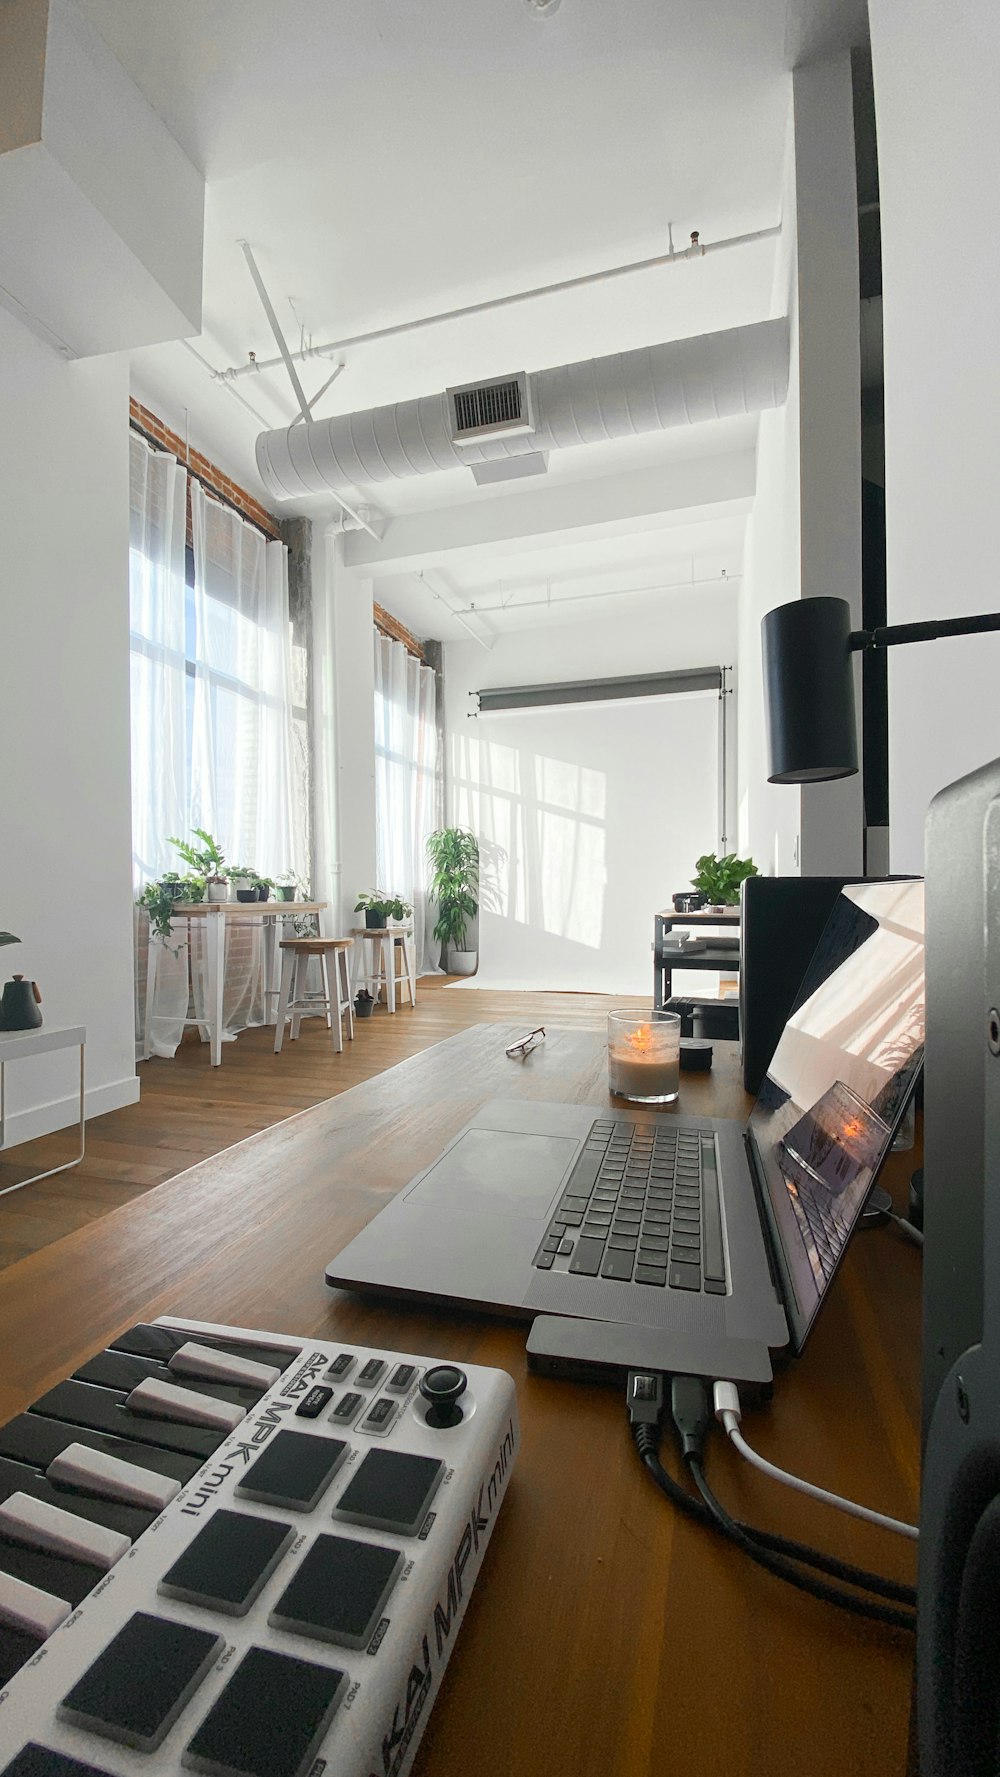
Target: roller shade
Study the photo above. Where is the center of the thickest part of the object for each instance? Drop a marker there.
(669, 684)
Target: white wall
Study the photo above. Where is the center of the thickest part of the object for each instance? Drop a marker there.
(937, 75)
(65, 879)
(805, 534)
(343, 691)
(600, 811)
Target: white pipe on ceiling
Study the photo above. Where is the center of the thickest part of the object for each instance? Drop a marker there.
(741, 370)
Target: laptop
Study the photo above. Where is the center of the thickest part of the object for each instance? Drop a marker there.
(726, 1239)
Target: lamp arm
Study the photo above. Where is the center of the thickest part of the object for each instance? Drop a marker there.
(889, 634)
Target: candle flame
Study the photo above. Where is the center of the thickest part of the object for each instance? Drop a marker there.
(641, 1040)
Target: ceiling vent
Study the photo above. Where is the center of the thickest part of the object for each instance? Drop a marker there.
(499, 408)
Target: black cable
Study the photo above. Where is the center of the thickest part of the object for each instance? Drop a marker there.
(782, 1569)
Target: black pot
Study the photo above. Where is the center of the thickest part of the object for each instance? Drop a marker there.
(375, 919)
(262, 891)
(176, 890)
(19, 1008)
(246, 894)
(364, 1005)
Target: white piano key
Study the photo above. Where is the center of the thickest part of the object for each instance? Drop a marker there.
(162, 1400)
(29, 1608)
(47, 1527)
(222, 1366)
(109, 1478)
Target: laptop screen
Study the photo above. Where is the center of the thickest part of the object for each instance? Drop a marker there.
(839, 1083)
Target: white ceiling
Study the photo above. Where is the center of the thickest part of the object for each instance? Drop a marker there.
(393, 158)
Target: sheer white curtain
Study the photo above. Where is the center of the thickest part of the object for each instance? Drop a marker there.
(407, 784)
(157, 515)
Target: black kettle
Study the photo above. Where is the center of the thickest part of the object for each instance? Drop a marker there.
(20, 1005)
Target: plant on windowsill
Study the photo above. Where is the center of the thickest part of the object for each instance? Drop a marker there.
(719, 879)
(157, 901)
(244, 882)
(379, 907)
(454, 856)
(287, 886)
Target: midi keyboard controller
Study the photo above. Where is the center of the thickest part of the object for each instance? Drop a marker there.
(231, 1552)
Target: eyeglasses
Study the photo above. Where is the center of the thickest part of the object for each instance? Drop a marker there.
(524, 1045)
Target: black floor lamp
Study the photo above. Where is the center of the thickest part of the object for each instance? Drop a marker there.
(809, 683)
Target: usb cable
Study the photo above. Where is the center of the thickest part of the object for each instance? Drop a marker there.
(727, 1411)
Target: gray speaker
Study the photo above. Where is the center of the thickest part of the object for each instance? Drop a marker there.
(958, 1621)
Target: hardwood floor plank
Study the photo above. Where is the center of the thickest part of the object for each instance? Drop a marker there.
(189, 1111)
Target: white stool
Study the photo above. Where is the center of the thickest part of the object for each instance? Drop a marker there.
(377, 969)
(295, 1003)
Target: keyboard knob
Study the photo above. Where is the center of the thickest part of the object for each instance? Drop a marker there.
(442, 1389)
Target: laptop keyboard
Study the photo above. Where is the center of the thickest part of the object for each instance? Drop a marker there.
(641, 1205)
(823, 1231)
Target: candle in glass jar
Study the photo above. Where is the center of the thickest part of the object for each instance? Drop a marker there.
(644, 1056)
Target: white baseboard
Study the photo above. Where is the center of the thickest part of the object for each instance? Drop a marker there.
(63, 1113)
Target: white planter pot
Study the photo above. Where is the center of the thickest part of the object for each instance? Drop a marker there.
(462, 962)
(217, 891)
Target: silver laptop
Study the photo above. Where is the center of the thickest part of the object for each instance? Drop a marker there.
(723, 1237)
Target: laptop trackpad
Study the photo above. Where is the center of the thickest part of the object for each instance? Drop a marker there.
(492, 1170)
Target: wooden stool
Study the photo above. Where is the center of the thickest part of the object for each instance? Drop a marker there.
(380, 970)
(295, 1003)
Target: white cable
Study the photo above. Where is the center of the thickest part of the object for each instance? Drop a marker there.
(727, 1412)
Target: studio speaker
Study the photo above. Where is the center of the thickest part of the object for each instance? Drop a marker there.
(958, 1625)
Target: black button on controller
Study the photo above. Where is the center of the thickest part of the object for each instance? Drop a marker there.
(311, 1405)
(442, 1387)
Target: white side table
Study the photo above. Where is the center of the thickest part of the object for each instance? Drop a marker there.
(14, 1046)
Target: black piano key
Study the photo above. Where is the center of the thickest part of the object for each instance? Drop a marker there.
(228, 1563)
(55, 1574)
(270, 1720)
(41, 1761)
(120, 1369)
(104, 1409)
(33, 1439)
(17, 1477)
(15, 1649)
(161, 1343)
(338, 1591)
(136, 1688)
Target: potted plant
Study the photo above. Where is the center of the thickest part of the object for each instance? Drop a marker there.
(264, 886)
(719, 878)
(244, 882)
(205, 861)
(454, 857)
(157, 900)
(364, 1005)
(172, 885)
(286, 888)
(379, 907)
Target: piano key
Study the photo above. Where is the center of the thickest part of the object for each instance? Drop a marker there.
(129, 1521)
(338, 1591)
(46, 1527)
(16, 1648)
(164, 1400)
(52, 1573)
(104, 1409)
(30, 1609)
(90, 1471)
(161, 1343)
(193, 1359)
(137, 1687)
(228, 1563)
(270, 1720)
(35, 1760)
(119, 1369)
(391, 1490)
(36, 1440)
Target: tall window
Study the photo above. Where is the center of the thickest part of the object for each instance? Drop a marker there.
(217, 738)
(407, 782)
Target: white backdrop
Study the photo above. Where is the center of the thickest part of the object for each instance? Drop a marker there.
(589, 819)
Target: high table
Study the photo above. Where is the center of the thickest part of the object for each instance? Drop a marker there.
(606, 1637)
(218, 915)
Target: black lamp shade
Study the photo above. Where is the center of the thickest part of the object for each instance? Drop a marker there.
(809, 691)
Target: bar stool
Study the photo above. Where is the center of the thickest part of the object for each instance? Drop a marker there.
(377, 969)
(293, 1000)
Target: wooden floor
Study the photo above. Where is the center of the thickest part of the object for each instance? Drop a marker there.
(189, 1110)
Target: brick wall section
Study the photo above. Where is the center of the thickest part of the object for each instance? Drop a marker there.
(214, 478)
(390, 626)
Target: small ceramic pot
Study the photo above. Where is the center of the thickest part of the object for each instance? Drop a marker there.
(217, 891)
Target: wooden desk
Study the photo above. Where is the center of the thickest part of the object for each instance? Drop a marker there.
(605, 1638)
(218, 915)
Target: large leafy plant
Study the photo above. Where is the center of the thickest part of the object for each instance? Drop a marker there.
(454, 857)
(387, 906)
(719, 878)
(204, 860)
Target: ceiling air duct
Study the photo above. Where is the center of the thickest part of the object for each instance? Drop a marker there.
(716, 375)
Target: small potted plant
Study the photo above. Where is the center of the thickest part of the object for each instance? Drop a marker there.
(364, 1005)
(157, 901)
(172, 885)
(286, 888)
(454, 857)
(379, 906)
(719, 879)
(243, 881)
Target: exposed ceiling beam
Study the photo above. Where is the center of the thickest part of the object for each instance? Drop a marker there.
(453, 602)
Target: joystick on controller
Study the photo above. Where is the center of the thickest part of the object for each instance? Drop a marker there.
(442, 1388)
